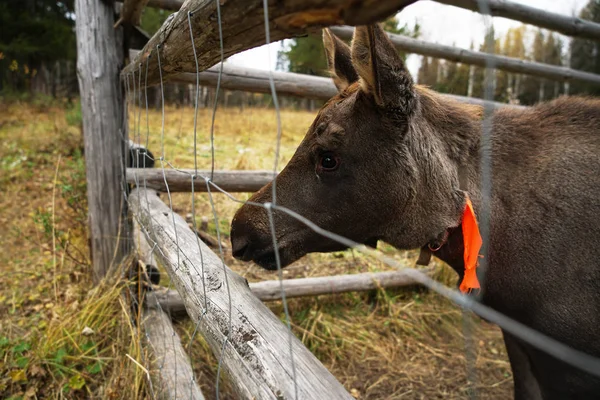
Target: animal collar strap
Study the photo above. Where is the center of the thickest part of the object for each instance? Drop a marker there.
(471, 243)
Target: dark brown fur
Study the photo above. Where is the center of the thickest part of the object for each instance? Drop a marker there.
(401, 147)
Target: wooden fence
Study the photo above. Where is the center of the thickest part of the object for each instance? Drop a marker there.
(569, 26)
(251, 342)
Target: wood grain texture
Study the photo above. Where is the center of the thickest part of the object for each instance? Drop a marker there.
(181, 181)
(170, 363)
(171, 371)
(465, 56)
(570, 26)
(102, 107)
(243, 28)
(256, 356)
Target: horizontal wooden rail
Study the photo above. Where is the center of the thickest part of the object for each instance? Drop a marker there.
(181, 181)
(465, 56)
(257, 352)
(243, 28)
(302, 287)
(171, 370)
(257, 81)
(286, 83)
(570, 26)
(314, 286)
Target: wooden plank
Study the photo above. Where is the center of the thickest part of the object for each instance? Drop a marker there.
(286, 83)
(171, 364)
(257, 353)
(465, 56)
(181, 181)
(102, 109)
(255, 80)
(243, 28)
(131, 12)
(570, 26)
(301, 287)
(314, 286)
(171, 372)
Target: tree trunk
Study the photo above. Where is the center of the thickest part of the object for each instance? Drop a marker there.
(46, 75)
(471, 80)
(103, 112)
(179, 180)
(243, 100)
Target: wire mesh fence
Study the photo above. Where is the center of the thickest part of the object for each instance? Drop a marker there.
(220, 319)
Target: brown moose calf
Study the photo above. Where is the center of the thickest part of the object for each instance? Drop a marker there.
(388, 160)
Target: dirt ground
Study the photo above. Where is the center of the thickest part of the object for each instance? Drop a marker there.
(62, 338)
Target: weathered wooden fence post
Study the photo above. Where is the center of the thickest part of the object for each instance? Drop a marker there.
(100, 58)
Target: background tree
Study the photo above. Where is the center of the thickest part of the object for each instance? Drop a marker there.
(153, 18)
(306, 55)
(554, 56)
(457, 79)
(515, 47)
(34, 35)
(479, 72)
(532, 86)
(585, 54)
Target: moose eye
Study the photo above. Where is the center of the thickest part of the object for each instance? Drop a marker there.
(329, 162)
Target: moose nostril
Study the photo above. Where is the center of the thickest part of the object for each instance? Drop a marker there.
(239, 247)
(239, 251)
(241, 238)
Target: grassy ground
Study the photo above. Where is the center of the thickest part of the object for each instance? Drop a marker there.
(60, 338)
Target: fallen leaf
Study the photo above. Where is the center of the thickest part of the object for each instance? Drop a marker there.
(18, 375)
(36, 370)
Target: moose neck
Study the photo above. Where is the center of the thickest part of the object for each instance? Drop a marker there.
(458, 127)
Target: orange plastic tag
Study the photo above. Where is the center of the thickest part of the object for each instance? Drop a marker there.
(472, 243)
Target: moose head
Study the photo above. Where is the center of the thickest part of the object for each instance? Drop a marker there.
(379, 162)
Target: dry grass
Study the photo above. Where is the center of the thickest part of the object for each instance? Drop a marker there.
(59, 336)
(395, 344)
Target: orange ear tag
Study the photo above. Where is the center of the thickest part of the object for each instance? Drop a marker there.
(472, 243)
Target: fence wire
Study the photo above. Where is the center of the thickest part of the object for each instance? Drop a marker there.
(469, 303)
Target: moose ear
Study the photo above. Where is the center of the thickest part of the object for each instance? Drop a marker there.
(339, 61)
(381, 69)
